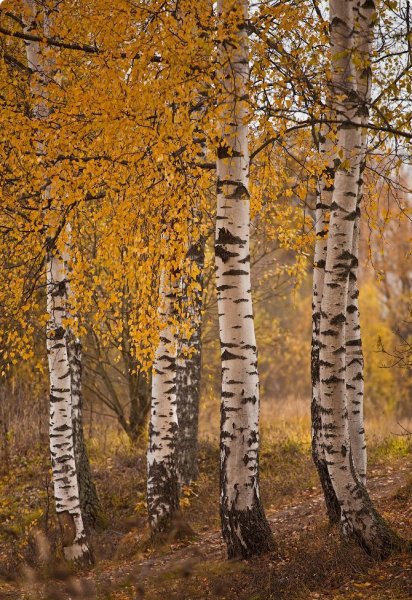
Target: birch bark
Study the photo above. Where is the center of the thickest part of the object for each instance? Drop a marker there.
(244, 525)
(90, 506)
(364, 18)
(66, 491)
(358, 515)
(162, 480)
(322, 212)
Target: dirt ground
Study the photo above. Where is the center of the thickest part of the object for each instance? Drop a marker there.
(311, 560)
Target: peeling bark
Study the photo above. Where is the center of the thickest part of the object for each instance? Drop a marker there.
(244, 525)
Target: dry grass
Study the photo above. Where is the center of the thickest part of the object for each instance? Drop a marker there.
(310, 562)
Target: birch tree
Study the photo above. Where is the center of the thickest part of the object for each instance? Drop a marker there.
(363, 29)
(244, 525)
(162, 477)
(322, 212)
(364, 20)
(66, 489)
(358, 515)
(90, 506)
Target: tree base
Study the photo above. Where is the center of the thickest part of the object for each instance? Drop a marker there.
(333, 508)
(246, 532)
(379, 541)
(162, 497)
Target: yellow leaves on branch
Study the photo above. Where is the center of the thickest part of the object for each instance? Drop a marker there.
(122, 155)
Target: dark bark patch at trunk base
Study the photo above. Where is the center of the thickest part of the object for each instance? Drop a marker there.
(333, 509)
(380, 541)
(67, 527)
(332, 505)
(163, 497)
(246, 532)
(68, 536)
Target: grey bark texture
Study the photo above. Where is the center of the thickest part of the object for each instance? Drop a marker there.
(188, 372)
(90, 505)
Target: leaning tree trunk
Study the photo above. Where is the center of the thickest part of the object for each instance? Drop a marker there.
(189, 368)
(162, 480)
(359, 518)
(322, 211)
(66, 490)
(89, 501)
(244, 525)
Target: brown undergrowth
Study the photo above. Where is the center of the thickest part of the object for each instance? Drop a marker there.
(311, 561)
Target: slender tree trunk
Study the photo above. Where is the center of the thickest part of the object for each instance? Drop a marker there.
(162, 481)
(244, 525)
(354, 362)
(364, 17)
(189, 357)
(358, 515)
(89, 501)
(189, 369)
(323, 203)
(66, 490)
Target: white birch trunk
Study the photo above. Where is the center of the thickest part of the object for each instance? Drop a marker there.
(355, 363)
(66, 491)
(322, 212)
(358, 516)
(364, 17)
(162, 480)
(244, 526)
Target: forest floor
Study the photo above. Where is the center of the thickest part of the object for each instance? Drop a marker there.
(311, 561)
